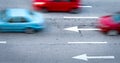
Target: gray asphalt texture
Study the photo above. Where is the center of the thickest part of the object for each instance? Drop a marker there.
(50, 45)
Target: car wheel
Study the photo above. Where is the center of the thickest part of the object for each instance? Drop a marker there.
(30, 31)
(75, 11)
(112, 33)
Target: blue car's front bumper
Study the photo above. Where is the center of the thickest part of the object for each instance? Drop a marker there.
(39, 28)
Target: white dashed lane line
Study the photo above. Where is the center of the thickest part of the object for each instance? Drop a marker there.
(3, 42)
(69, 17)
(87, 42)
(86, 6)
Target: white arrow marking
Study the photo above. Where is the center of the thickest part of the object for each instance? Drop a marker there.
(86, 6)
(75, 29)
(85, 57)
(82, 17)
(3, 42)
(87, 42)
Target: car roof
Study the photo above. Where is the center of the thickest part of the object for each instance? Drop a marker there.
(17, 12)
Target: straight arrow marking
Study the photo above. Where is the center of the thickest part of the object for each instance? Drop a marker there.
(87, 42)
(89, 29)
(76, 29)
(101, 57)
(85, 57)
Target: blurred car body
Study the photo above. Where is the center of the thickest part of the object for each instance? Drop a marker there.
(57, 5)
(20, 20)
(110, 24)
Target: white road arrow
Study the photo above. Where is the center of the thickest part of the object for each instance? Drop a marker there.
(85, 57)
(76, 29)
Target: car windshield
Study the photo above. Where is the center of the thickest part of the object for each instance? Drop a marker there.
(31, 13)
(116, 18)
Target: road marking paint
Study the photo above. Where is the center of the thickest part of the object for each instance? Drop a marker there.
(76, 29)
(86, 29)
(81, 17)
(87, 42)
(3, 42)
(86, 6)
(85, 57)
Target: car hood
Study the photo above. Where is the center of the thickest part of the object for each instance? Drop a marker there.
(38, 18)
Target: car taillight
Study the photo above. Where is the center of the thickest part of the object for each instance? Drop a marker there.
(39, 3)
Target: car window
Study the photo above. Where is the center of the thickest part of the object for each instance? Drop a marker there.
(11, 20)
(23, 20)
(116, 18)
(31, 13)
(17, 20)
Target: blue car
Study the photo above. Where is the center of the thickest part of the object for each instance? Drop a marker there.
(21, 20)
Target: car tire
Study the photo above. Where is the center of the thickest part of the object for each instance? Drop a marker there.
(44, 10)
(75, 11)
(112, 33)
(30, 31)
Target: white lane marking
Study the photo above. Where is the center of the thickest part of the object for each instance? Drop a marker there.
(85, 57)
(89, 29)
(86, 6)
(81, 17)
(76, 29)
(87, 42)
(3, 42)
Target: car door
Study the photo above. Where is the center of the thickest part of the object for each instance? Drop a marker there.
(54, 5)
(66, 5)
(15, 24)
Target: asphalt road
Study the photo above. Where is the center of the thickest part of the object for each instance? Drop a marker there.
(51, 45)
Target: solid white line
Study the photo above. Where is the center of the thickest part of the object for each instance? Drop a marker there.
(3, 42)
(86, 6)
(87, 42)
(82, 17)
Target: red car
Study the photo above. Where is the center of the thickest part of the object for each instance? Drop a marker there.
(57, 5)
(110, 24)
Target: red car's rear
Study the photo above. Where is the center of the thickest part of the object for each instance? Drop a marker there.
(37, 4)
